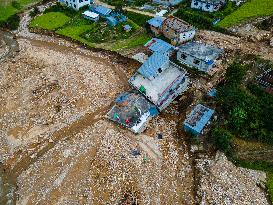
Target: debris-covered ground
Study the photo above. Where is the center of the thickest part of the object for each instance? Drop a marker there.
(221, 182)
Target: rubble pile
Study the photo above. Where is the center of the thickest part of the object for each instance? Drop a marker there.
(98, 167)
(221, 182)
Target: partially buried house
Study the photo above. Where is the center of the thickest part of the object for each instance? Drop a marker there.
(198, 119)
(199, 55)
(132, 111)
(159, 79)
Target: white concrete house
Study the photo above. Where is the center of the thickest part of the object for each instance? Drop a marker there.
(208, 5)
(75, 4)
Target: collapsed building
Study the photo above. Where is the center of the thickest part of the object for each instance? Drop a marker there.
(198, 55)
(198, 119)
(132, 111)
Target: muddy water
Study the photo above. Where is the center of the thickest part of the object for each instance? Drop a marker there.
(7, 188)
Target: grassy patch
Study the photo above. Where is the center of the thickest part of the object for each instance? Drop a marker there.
(7, 9)
(253, 8)
(202, 19)
(262, 166)
(50, 21)
(139, 19)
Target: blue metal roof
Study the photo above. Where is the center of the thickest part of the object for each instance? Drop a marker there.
(158, 45)
(102, 10)
(198, 118)
(150, 67)
(156, 21)
(127, 27)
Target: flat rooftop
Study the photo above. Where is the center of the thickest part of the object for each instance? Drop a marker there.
(155, 88)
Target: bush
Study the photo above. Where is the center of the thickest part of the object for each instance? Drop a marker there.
(139, 19)
(16, 5)
(34, 12)
(221, 138)
(12, 23)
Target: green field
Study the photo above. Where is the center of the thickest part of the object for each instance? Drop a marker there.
(94, 34)
(7, 10)
(253, 8)
(50, 21)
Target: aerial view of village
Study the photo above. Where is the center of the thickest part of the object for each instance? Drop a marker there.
(135, 102)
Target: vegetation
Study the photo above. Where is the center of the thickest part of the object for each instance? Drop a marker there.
(50, 21)
(263, 166)
(247, 108)
(266, 24)
(11, 23)
(71, 24)
(201, 19)
(139, 19)
(9, 8)
(252, 8)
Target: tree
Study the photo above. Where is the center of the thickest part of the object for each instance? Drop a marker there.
(221, 138)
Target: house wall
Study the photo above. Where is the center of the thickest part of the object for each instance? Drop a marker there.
(190, 61)
(155, 30)
(92, 19)
(75, 4)
(196, 4)
(186, 36)
(189, 129)
(178, 37)
(177, 88)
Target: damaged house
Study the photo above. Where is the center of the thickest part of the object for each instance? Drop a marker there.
(208, 5)
(173, 28)
(198, 119)
(160, 80)
(198, 55)
(132, 111)
(177, 30)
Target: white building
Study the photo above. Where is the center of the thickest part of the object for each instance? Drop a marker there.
(75, 4)
(208, 5)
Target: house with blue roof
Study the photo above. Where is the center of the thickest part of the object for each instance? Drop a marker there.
(198, 119)
(167, 2)
(156, 24)
(101, 10)
(158, 45)
(199, 55)
(160, 80)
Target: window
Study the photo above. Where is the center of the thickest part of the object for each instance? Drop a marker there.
(66, 3)
(74, 5)
(195, 61)
(74, 1)
(183, 56)
(208, 6)
(159, 70)
(196, 3)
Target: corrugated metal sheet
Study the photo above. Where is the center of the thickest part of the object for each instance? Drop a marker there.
(198, 119)
(150, 67)
(158, 45)
(102, 10)
(156, 21)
